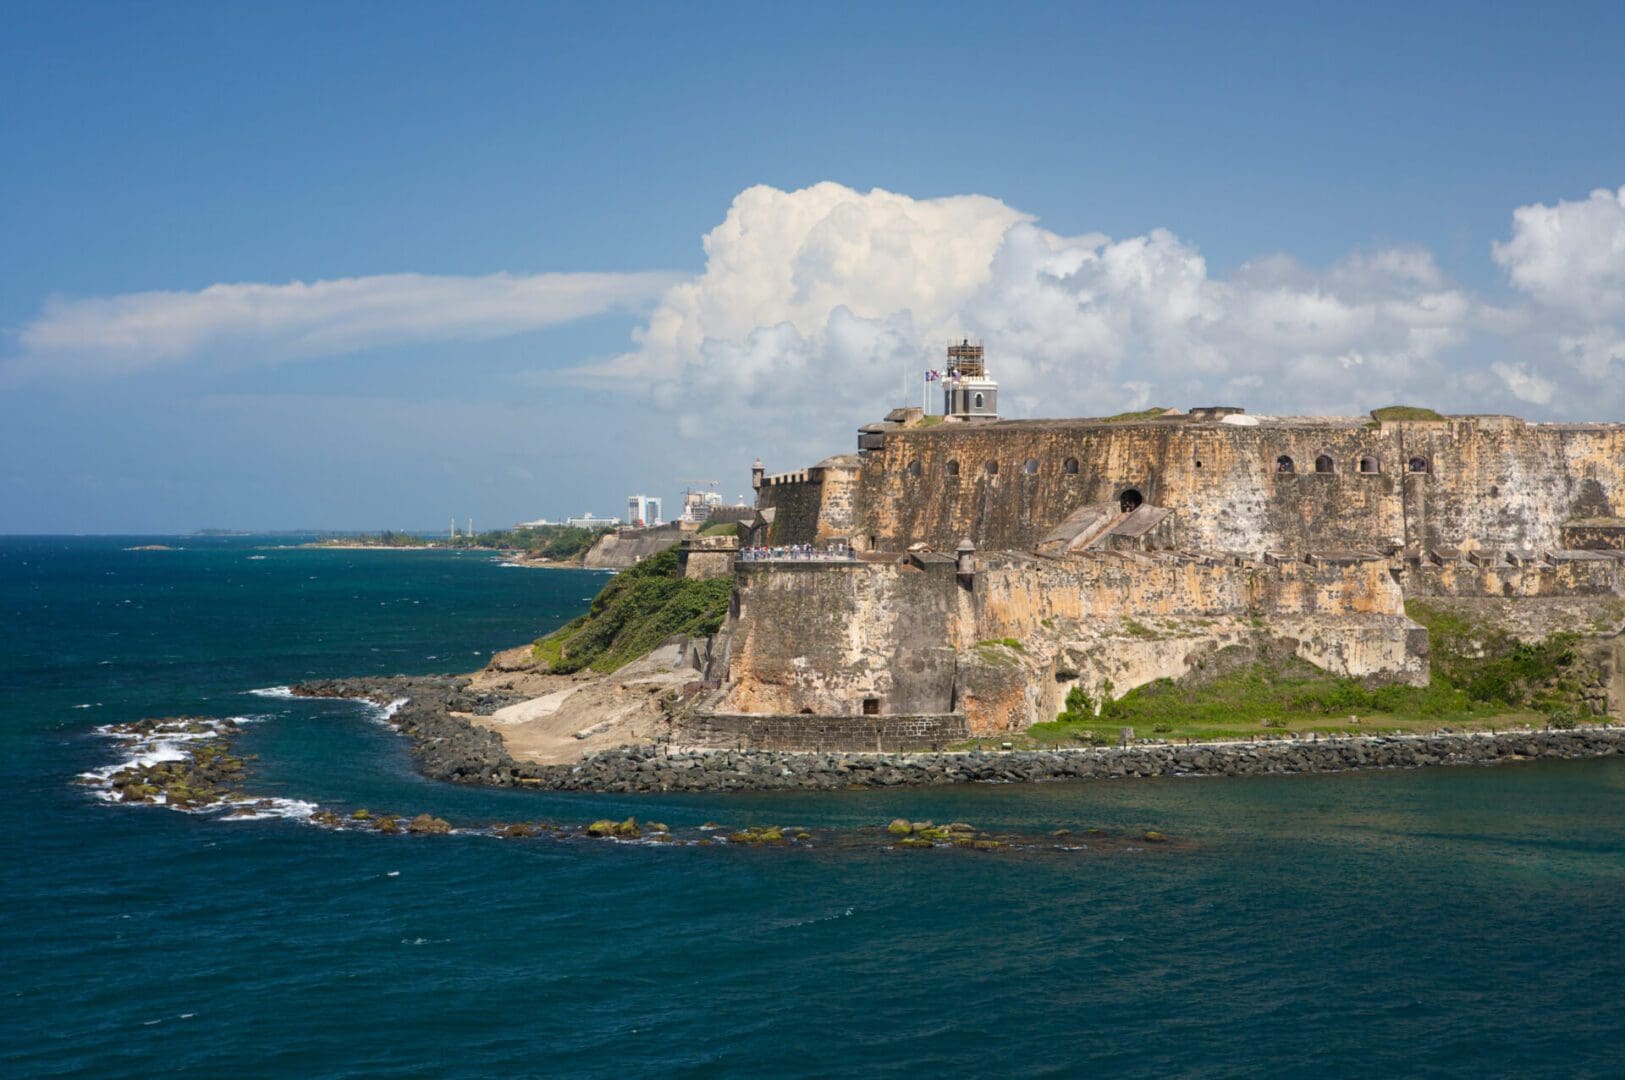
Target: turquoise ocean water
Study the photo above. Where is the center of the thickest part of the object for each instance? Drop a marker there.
(1460, 922)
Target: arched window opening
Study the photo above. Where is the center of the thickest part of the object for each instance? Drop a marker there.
(1030, 467)
(978, 402)
(1284, 464)
(914, 468)
(953, 468)
(1369, 465)
(1130, 501)
(991, 468)
(1324, 464)
(1070, 466)
(1419, 464)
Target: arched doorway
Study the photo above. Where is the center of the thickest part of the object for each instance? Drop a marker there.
(1131, 500)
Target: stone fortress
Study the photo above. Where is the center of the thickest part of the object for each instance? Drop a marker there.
(981, 567)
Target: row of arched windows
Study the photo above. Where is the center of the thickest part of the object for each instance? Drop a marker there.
(991, 468)
(1283, 464)
(1324, 464)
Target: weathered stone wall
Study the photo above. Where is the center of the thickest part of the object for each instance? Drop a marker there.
(1488, 482)
(826, 636)
(1595, 534)
(814, 505)
(1015, 594)
(796, 500)
(820, 733)
(628, 547)
(703, 557)
(1567, 573)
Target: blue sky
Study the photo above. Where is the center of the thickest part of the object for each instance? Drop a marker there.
(1299, 210)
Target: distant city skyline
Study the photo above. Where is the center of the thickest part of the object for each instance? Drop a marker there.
(329, 267)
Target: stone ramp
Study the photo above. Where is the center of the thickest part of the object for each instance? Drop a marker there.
(1103, 525)
(1080, 528)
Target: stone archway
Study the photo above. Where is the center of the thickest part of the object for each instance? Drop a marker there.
(1131, 500)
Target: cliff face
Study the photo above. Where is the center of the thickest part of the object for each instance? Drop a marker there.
(1467, 483)
(623, 548)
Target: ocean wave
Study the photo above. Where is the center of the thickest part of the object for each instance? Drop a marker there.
(245, 808)
(272, 691)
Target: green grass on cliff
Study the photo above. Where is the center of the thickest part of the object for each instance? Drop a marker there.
(1405, 412)
(1482, 677)
(1143, 414)
(635, 612)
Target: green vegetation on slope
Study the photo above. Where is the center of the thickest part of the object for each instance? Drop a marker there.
(1144, 414)
(1405, 412)
(635, 612)
(1481, 676)
(721, 528)
(387, 538)
(547, 541)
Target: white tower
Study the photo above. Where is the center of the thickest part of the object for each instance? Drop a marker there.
(968, 392)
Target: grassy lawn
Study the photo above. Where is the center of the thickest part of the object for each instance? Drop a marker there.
(1482, 679)
(1273, 700)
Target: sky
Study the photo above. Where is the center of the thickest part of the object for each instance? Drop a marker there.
(372, 265)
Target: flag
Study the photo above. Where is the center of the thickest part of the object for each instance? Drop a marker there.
(932, 376)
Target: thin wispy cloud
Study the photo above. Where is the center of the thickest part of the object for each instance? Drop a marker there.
(244, 323)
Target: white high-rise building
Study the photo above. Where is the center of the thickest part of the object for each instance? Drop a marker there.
(643, 510)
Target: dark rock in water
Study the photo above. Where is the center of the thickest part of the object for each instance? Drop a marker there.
(424, 824)
(1155, 837)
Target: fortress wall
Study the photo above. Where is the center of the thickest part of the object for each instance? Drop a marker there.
(824, 636)
(1016, 598)
(1564, 577)
(1491, 482)
(822, 733)
(796, 502)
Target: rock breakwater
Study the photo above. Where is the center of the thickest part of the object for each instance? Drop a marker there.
(452, 748)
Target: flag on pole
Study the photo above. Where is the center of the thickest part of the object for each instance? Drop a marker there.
(932, 376)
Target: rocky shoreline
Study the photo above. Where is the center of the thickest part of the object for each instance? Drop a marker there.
(451, 748)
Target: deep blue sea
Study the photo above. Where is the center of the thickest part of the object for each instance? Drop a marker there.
(1451, 922)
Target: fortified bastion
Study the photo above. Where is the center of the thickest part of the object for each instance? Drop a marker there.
(959, 574)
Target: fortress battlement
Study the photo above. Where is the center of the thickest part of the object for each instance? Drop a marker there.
(1000, 563)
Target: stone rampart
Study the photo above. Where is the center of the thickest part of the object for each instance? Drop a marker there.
(1547, 574)
(755, 731)
(911, 637)
(1468, 482)
(703, 557)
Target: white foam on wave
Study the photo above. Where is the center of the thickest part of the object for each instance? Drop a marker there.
(268, 809)
(89, 705)
(273, 691)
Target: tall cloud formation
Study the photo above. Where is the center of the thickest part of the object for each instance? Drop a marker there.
(828, 295)
(824, 304)
(255, 322)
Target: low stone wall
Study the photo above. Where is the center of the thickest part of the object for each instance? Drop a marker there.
(755, 731)
(650, 768)
(449, 747)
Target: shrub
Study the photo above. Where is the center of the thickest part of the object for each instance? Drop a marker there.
(637, 610)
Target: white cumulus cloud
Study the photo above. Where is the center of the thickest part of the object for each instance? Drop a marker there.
(1570, 255)
(822, 300)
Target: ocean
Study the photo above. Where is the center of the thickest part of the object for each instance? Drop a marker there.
(1446, 922)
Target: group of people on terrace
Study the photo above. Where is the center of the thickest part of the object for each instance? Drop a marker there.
(837, 552)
